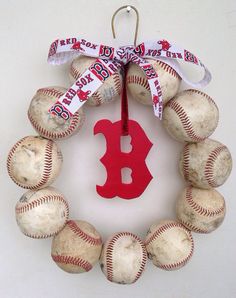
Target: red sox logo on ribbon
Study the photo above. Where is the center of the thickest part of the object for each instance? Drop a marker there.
(109, 60)
(165, 44)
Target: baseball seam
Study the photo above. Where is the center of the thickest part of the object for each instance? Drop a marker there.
(76, 261)
(185, 162)
(47, 165)
(84, 236)
(209, 168)
(168, 69)
(74, 72)
(98, 98)
(117, 83)
(144, 259)
(187, 125)
(40, 201)
(193, 228)
(50, 92)
(109, 252)
(133, 79)
(199, 209)
(162, 230)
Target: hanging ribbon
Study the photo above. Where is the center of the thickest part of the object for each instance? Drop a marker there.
(110, 60)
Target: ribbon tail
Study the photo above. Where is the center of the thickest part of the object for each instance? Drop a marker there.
(176, 66)
(155, 88)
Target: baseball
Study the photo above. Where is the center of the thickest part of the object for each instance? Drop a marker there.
(200, 210)
(34, 162)
(123, 258)
(105, 93)
(48, 125)
(77, 247)
(138, 85)
(42, 213)
(206, 164)
(169, 245)
(190, 116)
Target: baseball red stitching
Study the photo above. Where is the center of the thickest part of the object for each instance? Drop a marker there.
(162, 230)
(74, 72)
(187, 125)
(50, 92)
(168, 68)
(185, 162)
(117, 82)
(209, 168)
(192, 227)
(47, 165)
(109, 252)
(37, 202)
(199, 209)
(133, 79)
(98, 98)
(72, 261)
(87, 238)
(144, 259)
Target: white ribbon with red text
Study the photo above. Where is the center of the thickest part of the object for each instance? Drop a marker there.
(110, 60)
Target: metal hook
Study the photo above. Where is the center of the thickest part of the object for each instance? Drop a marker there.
(128, 9)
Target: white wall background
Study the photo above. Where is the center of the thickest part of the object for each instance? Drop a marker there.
(207, 28)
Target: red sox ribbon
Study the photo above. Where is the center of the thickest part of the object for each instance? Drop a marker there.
(109, 60)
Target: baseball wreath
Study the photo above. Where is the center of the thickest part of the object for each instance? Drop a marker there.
(99, 73)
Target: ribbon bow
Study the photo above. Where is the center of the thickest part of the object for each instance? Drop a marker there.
(110, 60)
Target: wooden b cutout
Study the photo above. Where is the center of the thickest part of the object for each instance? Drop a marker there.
(115, 160)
